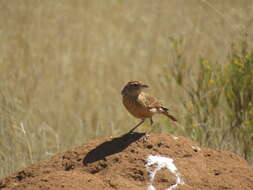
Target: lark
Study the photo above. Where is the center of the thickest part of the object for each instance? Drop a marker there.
(142, 105)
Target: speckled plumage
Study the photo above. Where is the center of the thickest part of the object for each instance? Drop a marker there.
(140, 104)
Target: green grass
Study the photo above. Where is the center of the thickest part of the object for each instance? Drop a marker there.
(217, 106)
(63, 64)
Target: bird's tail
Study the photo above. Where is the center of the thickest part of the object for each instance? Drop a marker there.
(165, 112)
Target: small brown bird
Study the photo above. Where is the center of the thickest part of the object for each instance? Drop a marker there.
(140, 104)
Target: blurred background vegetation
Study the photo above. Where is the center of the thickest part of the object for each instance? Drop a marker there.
(63, 64)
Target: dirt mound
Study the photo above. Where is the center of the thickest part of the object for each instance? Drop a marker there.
(134, 163)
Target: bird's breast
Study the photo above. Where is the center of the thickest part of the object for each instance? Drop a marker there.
(135, 108)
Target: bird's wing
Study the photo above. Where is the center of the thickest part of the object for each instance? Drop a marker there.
(149, 101)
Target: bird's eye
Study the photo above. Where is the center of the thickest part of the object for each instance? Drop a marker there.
(135, 85)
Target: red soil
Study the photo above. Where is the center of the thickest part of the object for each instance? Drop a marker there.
(119, 164)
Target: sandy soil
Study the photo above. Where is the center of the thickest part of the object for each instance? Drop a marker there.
(121, 163)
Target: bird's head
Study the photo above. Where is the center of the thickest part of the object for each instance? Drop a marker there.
(133, 88)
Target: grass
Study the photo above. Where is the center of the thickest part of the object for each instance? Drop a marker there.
(218, 103)
(63, 64)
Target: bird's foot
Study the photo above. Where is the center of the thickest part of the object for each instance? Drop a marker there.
(145, 138)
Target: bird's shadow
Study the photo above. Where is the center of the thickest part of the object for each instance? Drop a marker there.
(113, 146)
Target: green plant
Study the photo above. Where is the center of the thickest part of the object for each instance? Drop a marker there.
(218, 104)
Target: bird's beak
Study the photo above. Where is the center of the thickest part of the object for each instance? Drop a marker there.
(144, 86)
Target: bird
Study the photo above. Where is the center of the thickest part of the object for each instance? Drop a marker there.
(140, 104)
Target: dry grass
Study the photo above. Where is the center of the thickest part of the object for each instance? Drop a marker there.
(63, 64)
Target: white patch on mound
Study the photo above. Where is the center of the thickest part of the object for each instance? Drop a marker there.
(155, 163)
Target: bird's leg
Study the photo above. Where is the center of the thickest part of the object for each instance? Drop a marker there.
(137, 125)
(146, 136)
(151, 121)
(147, 133)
